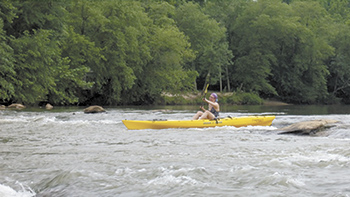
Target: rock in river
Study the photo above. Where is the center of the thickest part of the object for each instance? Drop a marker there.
(94, 109)
(16, 106)
(308, 127)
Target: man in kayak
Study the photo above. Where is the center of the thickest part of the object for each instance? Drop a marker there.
(213, 107)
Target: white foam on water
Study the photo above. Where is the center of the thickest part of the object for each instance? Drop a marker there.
(173, 176)
(164, 176)
(168, 179)
(220, 161)
(6, 191)
(286, 180)
(295, 182)
(318, 158)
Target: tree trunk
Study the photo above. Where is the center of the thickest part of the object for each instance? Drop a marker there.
(220, 76)
(228, 79)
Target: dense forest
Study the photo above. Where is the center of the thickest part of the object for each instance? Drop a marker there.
(118, 52)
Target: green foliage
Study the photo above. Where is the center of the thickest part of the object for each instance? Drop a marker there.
(43, 73)
(7, 68)
(244, 98)
(118, 29)
(208, 40)
(7, 12)
(34, 65)
(339, 67)
(71, 72)
(7, 60)
(338, 9)
(131, 52)
(279, 53)
(169, 51)
(35, 15)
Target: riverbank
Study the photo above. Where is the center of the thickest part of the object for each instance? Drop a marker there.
(233, 98)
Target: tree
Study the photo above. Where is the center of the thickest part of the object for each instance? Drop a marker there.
(35, 15)
(208, 40)
(111, 27)
(315, 49)
(338, 9)
(226, 13)
(278, 50)
(253, 48)
(170, 51)
(77, 54)
(338, 65)
(130, 52)
(41, 73)
(7, 68)
(34, 56)
(142, 53)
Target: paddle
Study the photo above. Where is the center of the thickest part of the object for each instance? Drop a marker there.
(206, 85)
(205, 91)
(203, 94)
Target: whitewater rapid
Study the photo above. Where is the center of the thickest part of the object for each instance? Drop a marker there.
(68, 153)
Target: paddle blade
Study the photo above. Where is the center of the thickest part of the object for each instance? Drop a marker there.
(204, 92)
(206, 89)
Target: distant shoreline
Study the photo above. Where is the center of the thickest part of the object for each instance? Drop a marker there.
(236, 98)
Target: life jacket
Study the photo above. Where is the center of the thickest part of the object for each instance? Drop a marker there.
(213, 111)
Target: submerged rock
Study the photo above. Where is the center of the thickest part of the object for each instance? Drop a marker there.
(308, 127)
(94, 109)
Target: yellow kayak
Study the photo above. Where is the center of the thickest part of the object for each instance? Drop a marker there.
(231, 121)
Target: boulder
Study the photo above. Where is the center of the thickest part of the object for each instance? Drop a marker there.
(94, 109)
(48, 106)
(16, 106)
(2, 107)
(308, 127)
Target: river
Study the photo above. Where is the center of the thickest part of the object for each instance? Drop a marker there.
(64, 152)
